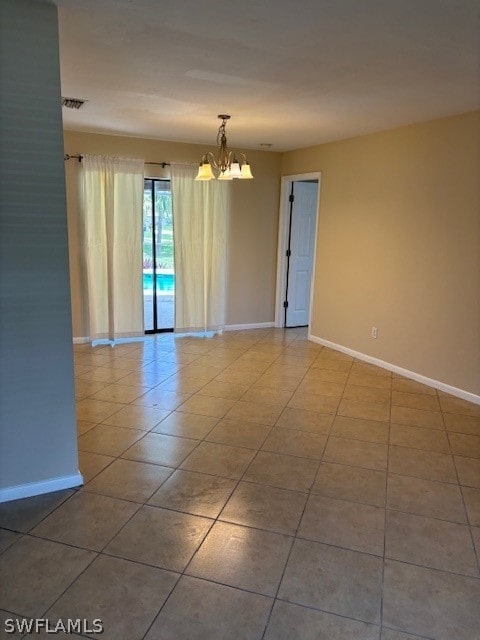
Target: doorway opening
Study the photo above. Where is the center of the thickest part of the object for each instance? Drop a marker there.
(158, 264)
(296, 249)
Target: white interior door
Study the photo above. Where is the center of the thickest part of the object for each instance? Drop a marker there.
(302, 245)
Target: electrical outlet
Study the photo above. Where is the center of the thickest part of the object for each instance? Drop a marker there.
(374, 332)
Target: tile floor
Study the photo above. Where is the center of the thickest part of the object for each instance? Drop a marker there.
(254, 485)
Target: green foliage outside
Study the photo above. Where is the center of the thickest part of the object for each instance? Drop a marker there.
(164, 229)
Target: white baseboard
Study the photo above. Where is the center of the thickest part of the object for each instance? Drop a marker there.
(430, 382)
(37, 488)
(80, 340)
(255, 325)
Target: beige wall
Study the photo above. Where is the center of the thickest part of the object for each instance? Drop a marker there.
(253, 231)
(399, 246)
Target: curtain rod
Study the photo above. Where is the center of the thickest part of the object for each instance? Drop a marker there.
(79, 158)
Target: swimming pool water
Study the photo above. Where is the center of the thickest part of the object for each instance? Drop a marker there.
(164, 281)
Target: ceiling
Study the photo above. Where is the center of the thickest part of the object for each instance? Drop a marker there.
(292, 73)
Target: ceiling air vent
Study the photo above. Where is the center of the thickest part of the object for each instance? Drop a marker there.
(72, 103)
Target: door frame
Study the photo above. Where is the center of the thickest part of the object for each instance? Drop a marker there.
(283, 225)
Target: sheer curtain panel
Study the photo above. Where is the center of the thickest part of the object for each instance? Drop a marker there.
(200, 216)
(111, 217)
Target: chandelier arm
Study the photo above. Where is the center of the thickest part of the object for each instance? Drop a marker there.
(212, 160)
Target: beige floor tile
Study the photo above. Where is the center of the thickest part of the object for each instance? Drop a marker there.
(263, 556)
(7, 538)
(80, 369)
(263, 507)
(98, 593)
(219, 460)
(311, 402)
(267, 395)
(96, 410)
(38, 572)
(365, 410)
(91, 464)
(304, 444)
(425, 498)
(360, 429)
(476, 540)
(86, 520)
(202, 610)
(137, 417)
(450, 404)
(238, 376)
(207, 406)
(256, 366)
(468, 471)
(227, 390)
(365, 380)
(344, 524)
(356, 453)
(120, 393)
(255, 412)
(419, 438)
(462, 424)
(366, 394)
(370, 369)
(143, 378)
(85, 388)
(180, 383)
(108, 440)
(188, 425)
(83, 426)
(285, 472)
(128, 480)
(285, 382)
(465, 445)
(10, 623)
(161, 368)
(327, 375)
(411, 386)
(321, 387)
(421, 464)
(292, 371)
(472, 504)
(160, 537)
(388, 634)
(351, 483)
(431, 603)
(417, 417)
(161, 399)
(239, 433)
(103, 374)
(336, 580)
(430, 543)
(330, 364)
(195, 493)
(22, 515)
(158, 448)
(415, 400)
(129, 364)
(290, 621)
(305, 420)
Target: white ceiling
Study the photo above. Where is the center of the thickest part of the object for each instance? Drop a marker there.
(292, 73)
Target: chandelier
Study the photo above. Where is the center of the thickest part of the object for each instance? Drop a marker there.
(226, 163)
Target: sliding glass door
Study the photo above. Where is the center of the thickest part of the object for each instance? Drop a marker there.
(158, 271)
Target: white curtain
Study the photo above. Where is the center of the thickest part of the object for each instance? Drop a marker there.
(200, 217)
(111, 218)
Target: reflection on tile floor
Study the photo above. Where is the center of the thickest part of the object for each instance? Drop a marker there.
(254, 485)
